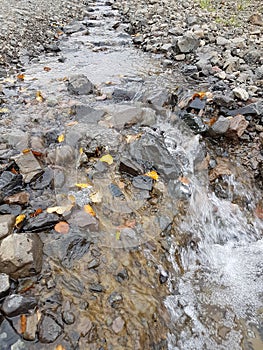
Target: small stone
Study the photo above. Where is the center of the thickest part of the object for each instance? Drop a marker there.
(41, 222)
(238, 125)
(163, 277)
(143, 182)
(187, 43)
(49, 330)
(74, 27)
(97, 288)
(10, 183)
(4, 284)
(240, 93)
(256, 19)
(68, 317)
(117, 325)
(6, 225)
(93, 263)
(31, 327)
(18, 198)
(221, 125)
(221, 41)
(21, 255)
(115, 299)
(29, 166)
(80, 85)
(179, 57)
(17, 304)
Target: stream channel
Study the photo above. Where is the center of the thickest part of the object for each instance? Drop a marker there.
(163, 263)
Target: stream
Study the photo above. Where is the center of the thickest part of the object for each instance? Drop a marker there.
(207, 248)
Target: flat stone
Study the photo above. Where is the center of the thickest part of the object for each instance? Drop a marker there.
(120, 116)
(10, 183)
(74, 27)
(117, 325)
(28, 165)
(49, 330)
(221, 125)
(4, 284)
(68, 317)
(18, 198)
(21, 255)
(80, 85)
(6, 225)
(18, 139)
(238, 125)
(10, 209)
(17, 304)
(143, 182)
(41, 222)
(256, 19)
(31, 327)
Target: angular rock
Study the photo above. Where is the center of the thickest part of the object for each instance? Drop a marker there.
(6, 225)
(117, 325)
(120, 116)
(10, 183)
(68, 317)
(250, 109)
(256, 19)
(83, 219)
(240, 93)
(18, 139)
(115, 299)
(4, 284)
(238, 125)
(187, 43)
(87, 114)
(28, 165)
(97, 288)
(80, 85)
(31, 327)
(130, 167)
(17, 304)
(10, 209)
(18, 198)
(49, 330)
(221, 125)
(41, 222)
(143, 182)
(21, 255)
(194, 122)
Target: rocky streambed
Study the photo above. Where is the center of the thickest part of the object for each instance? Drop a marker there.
(130, 183)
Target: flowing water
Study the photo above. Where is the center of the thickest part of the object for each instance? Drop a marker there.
(215, 252)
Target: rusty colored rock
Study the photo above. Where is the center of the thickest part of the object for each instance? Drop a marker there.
(238, 125)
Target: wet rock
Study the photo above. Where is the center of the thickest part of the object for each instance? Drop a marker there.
(44, 180)
(152, 151)
(41, 222)
(62, 155)
(17, 304)
(163, 277)
(18, 198)
(250, 109)
(83, 219)
(73, 284)
(21, 255)
(240, 93)
(120, 94)
(6, 225)
(80, 85)
(9, 339)
(117, 325)
(115, 299)
(223, 100)
(115, 191)
(122, 276)
(29, 166)
(190, 70)
(197, 104)
(194, 122)
(74, 27)
(87, 114)
(31, 327)
(158, 99)
(187, 43)
(97, 288)
(93, 264)
(221, 125)
(143, 182)
(130, 167)
(49, 330)
(10, 183)
(68, 248)
(18, 139)
(238, 125)
(10, 209)
(68, 317)
(4, 284)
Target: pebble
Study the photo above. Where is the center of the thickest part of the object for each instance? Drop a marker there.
(16, 304)
(49, 330)
(6, 225)
(117, 325)
(240, 93)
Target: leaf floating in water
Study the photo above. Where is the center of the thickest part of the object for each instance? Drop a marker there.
(47, 69)
(59, 209)
(152, 174)
(21, 77)
(89, 210)
(118, 235)
(20, 218)
(82, 185)
(39, 96)
(107, 159)
(62, 227)
(61, 138)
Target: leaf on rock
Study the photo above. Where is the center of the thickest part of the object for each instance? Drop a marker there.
(96, 197)
(61, 138)
(107, 159)
(89, 210)
(153, 175)
(62, 227)
(20, 218)
(23, 321)
(82, 186)
(4, 110)
(118, 235)
(20, 76)
(39, 96)
(36, 213)
(59, 209)
(47, 69)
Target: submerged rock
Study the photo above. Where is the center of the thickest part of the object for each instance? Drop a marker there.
(29, 166)
(80, 85)
(17, 304)
(49, 330)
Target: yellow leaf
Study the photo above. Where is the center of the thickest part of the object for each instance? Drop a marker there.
(88, 209)
(107, 159)
(96, 197)
(82, 185)
(19, 219)
(39, 96)
(118, 235)
(59, 210)
(61, 138)
(72, 199)
(81, 150)
(4, 110)
(152, 174)
(59, 347)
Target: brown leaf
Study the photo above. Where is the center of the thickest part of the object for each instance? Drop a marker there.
(23, 324)
(62, 227)
(259, 211)
(20, 76)
(36, 213)
(184, 180)
(47, 69)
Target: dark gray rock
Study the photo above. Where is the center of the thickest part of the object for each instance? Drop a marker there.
(80, 85)
(9, 339)
(21, 255)
(221, 125)
(17, 304)
(41, 222)
(187, 43)
(49, 330)
(87, 114)
(115, 299)
(10, 183)
(143, 182)
(97, 288)
(120, 94)
(10, 209)
(6, 225)
(250, 109)
(129, 166)
(194, 122)
(151, 151)
(29, 166)
(4, 284)
(68, 317)
(223, 100)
